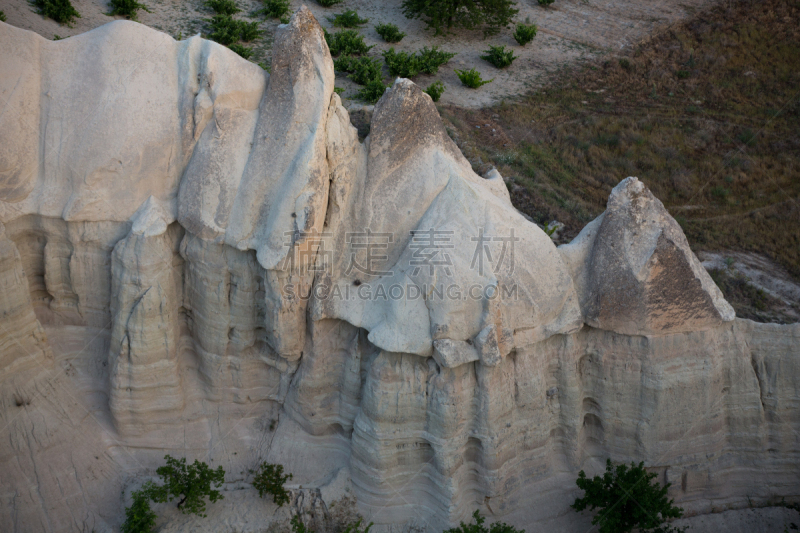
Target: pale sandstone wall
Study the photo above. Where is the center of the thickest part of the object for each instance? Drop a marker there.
(150, 198)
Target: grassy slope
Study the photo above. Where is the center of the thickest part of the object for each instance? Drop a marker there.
(707, 115)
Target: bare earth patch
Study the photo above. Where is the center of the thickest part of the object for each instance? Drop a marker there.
(570, 31)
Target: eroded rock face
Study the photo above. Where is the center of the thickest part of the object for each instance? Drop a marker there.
(636, 272)
(203, 260)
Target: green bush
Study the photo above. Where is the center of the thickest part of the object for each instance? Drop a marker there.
(405, 65)
(224, 29)
(390, 33)
(478, 527)
(372, 91)
(338, 90)
(126, 8)
(248, 31)
(525, 33)
(190, 483)
(138, 517)
(227, 30)
(348, 19)
(276, 9)
(243, 51)
(2, 17)
(223, 7)
(431, 59)
(401, 64)
(435, 90)
(628, 498)
(499, 56)
(362, 70)
(329, 3)
(545, 2)
(472, 78)
(269, 479)
(59, 10)
(346, 42)
(443, 15)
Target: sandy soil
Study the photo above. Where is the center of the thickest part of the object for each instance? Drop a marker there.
(570, 31)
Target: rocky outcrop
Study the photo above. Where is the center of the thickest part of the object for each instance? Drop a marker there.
(636, 273)
(202, 259)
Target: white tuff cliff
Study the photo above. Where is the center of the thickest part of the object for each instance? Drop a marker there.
(201, 259)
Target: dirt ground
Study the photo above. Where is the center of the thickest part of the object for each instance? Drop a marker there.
(570, 32)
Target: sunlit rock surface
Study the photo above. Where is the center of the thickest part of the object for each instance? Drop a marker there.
(201, 259)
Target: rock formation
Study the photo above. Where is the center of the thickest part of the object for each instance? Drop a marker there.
(201, 259)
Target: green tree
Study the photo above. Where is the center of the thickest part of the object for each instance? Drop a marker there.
(478, 527)
(191, 483)
(628, 498)
(138, 517)
(444, 15)
(269, 479)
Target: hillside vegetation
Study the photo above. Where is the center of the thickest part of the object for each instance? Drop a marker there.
(707, 114)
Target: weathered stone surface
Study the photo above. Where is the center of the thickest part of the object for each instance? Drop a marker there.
(636, 272)
(178, 265)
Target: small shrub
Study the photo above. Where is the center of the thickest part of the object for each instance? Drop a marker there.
(478, 527)
(191, 483)
(223, 7)
(57, 37)
(248, 31)
(364, 70)
(443, 15)
(227, 30)
(427, 60)
(243, 51)
(498, 56)
(401, 64)
(682, 74)
(435, 90)
(338, 90)
(329, 3)
(346, 42)
(139, 518)
(276, 9)
(270, 480)
(372, 91)
(472, 78)
(545, 2)
(61, 11)
(285, 19)
(525, 33)
(390, 33)
(224, 29)
(430, 59)
(264, 66)
(2, 17)
(626, 64)
(628, 498)
(126, 8)
(361, 69)
(348, 19)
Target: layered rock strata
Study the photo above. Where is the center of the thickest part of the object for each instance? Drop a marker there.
(202, 259)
